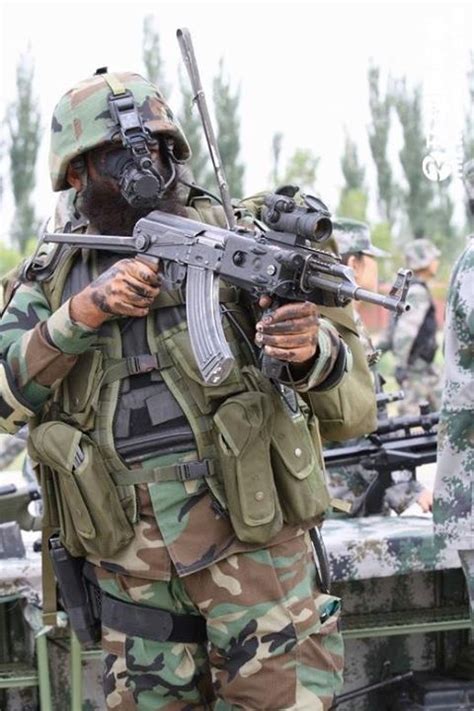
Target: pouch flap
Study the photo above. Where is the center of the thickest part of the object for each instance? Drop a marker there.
(55, 444)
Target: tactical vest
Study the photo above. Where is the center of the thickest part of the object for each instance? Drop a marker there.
(425, 346)
(138, 394)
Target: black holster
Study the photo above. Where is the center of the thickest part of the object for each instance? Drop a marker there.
(89, 607)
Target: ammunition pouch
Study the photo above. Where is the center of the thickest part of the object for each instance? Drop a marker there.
(92, 520)
(269, 461)
(244, 424)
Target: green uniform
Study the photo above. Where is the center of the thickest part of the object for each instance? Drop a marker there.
(184, 496)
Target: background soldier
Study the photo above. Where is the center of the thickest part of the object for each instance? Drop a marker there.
(412, 335)
(164, 484)
(453, 507)
(352, 483)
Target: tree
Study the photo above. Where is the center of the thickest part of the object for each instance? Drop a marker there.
(353, 200)
(468, 133)
(193, 130)
(226, 104)
(277, 143)
(24, 127)
(301, 169)
(152, 60)
(419, 193)
(378, 131)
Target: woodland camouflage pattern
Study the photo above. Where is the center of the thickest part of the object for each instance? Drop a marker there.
(194, 534)
(453, 509)
(274, 646)
(81, 121)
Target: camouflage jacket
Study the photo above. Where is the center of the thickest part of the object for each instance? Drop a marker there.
(407, 327)
(178, 523)
(453, 509)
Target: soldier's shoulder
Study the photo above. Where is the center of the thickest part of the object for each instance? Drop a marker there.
(418, 293)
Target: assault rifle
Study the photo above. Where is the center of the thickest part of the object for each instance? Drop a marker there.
(398, 443)
(14, 505)
(278, 259)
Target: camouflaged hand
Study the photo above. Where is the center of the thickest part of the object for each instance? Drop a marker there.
(279, 261)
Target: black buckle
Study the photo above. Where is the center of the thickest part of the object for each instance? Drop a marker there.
(142, 364)
(187, 471)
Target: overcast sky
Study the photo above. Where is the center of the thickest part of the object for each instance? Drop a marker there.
(302, 67)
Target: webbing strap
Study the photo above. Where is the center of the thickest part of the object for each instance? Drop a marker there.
(151, 623)
(115, 84)
(186, 471)
(118, 368)
(137, 620)
(50, 601)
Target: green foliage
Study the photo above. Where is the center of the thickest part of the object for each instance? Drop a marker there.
(192, 127)
(380, 111)
(154, 65)
(352, 170)
(353, 199)
(419, 193)
(9, 258)
(226, 104)
(468, 133)
(277, 143)
(301, 169)
(353, 203)
(24, 127)
(381, 236)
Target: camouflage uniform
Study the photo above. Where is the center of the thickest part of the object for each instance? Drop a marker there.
(453, 508)
(414, 332)
(273, 636)
(351, 483)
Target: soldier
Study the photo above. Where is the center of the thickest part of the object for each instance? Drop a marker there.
(412, 335)
(453, 508)
(353, 483)
(165, 485)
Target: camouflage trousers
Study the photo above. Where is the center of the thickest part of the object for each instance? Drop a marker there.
(421, 383)
(273, 638)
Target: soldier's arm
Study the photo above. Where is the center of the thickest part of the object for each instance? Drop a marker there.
(38, 348)
(409, 324)
(344, 401)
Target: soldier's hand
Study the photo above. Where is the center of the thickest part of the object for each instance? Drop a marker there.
(128, 288)
(425, 500)
(289, 333)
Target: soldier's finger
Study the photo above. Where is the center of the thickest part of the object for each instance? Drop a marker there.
(265, 301)
(140, 289)
(292, 310)
(291, 355)
(286, 342)
(297, 325)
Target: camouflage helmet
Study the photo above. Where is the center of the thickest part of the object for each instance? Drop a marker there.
(82, 121)
(420, 253)
(353, 237)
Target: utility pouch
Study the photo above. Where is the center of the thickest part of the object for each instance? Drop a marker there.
(297, 465)
(244, 426)
(296, 453)
(92, 520)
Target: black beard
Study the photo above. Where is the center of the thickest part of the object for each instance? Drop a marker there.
(109, 212)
